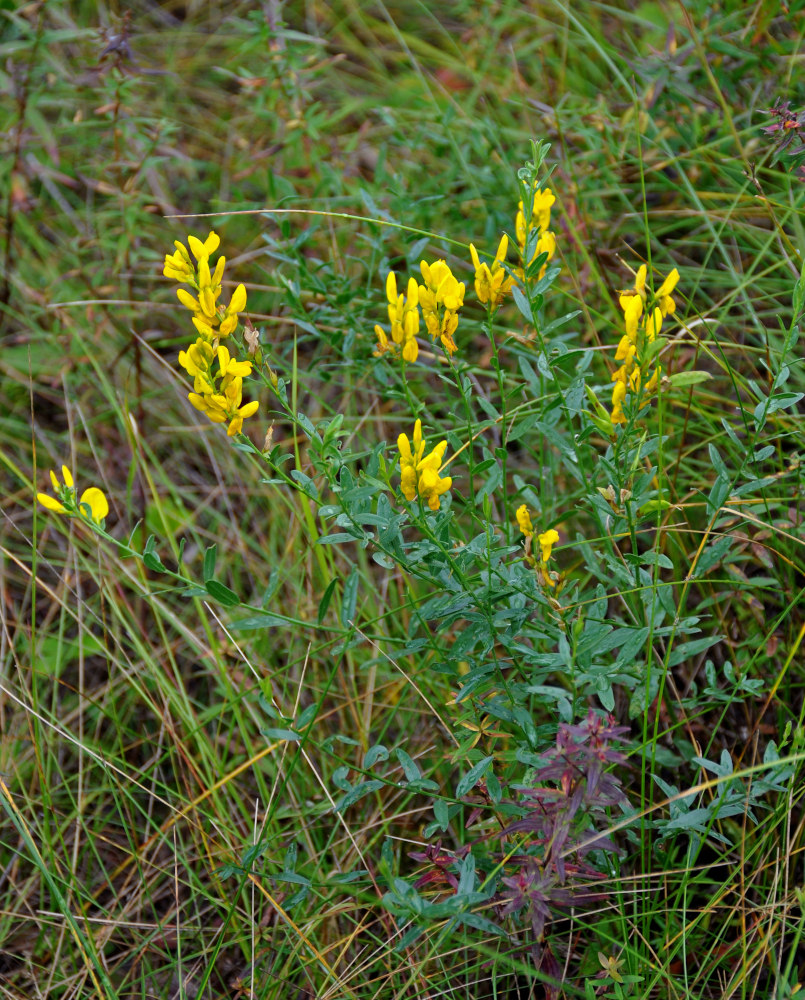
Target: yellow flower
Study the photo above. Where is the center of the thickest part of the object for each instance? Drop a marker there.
(419, 473)
(441, 296)
(547, 540)
(524, 521)
(664, 299)
(229, 366)
(541, 204)
(432, 486)
(203, 251)
(618, 396)
(491, 282)
(92, 503)
(404, 318)
(632, 306)
(178, 265)
(409, 458)
(236, 305)
(653, 324)
(196, 361)
(226, 405)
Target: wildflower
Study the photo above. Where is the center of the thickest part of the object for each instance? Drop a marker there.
(666, 303)
(539, 219)
(404, 318)
(540, 216)
(524, 521)
(179, 266)
(92, 503)
(409, 458)
(230, 367)
(419, 473)
(210, 318)
(441, 297)
(643, 317)
(547, 540)
(226, 405)
(492, 282)
(236, 305)
(196, 361)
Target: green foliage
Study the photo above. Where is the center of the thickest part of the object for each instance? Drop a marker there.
(282, 724)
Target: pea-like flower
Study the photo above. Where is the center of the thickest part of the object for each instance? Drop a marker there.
(226, 405)
(441, 296)
(547, 540)
(404, 319)
(92, 503)
(539, 219)
(492, 283)
(643, 317)
(524, 521)
(420, 473)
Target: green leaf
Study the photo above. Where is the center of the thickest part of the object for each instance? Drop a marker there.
(472, 777)
(281, 734)
(208, 572)
(412, 772)
(255, 622)
(221, 593)
(682, 379)
(350, 598)
(324, 604)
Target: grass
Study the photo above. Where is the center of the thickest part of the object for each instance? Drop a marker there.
(163, 836)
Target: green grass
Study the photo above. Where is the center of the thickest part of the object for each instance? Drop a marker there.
(152, 810)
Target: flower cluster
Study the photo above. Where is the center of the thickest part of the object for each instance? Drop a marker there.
(420, 472)
(643, 315)
(92, 503)
(538, 220)
(404, 319)
(218, 394)
(440, 298)
(492, 283)
(546, 541)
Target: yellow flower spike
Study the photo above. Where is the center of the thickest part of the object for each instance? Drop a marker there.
(546, 541)
(441, 297)
(524, 521)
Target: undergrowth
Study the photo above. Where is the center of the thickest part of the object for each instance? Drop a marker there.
(414, 607)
